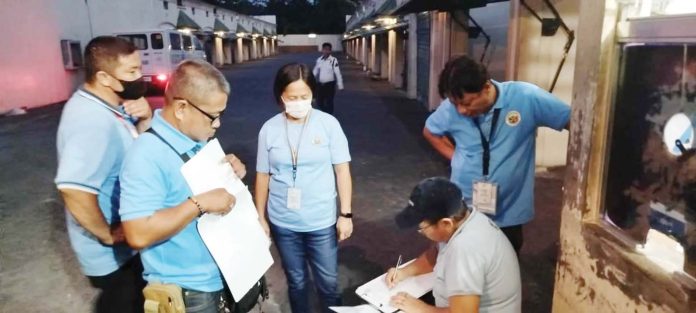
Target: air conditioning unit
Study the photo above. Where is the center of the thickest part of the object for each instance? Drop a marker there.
(72, 54)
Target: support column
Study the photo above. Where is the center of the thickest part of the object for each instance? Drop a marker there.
(412, 84)
(217, 52)
(240, 51)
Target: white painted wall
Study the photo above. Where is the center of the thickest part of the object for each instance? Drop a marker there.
(537, 60)
(32, 72)
(304, 40)
(30, 57)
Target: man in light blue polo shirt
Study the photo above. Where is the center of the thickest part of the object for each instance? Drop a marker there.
(158, 210)
(494, 128)
(98, 125)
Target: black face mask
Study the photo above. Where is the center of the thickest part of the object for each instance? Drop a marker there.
(132, 90)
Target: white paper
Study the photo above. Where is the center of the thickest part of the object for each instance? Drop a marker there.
(379, 295)
(365, 308)
(236, 241)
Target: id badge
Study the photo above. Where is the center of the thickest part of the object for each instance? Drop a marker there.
(485, 196)
(294, 198)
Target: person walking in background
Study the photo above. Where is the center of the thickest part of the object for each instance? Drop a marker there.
(328, 74)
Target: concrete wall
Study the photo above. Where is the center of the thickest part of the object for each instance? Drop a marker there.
(37, 25)
(597, 271)
(30, 56)
(304, 40)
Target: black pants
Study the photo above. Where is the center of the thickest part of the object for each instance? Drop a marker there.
(325, 96)
(515, 235)
(122, 290)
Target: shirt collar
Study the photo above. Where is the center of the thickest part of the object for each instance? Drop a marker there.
(90, 96)
(498, 104)
(180, 142)
(461, 227)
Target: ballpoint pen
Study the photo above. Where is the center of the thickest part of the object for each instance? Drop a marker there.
(396, 270)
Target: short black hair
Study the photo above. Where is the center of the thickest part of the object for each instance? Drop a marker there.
(290, 73)
(102, 53)
(326, 45)
(462, 75)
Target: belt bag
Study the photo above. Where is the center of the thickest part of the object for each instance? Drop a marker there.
(163, 298)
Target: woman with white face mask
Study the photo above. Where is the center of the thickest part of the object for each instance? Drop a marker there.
(302, 166)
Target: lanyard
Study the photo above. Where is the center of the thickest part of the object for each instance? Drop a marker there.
(294, 151)
(184, 157)
(119, 115)
(487, 143)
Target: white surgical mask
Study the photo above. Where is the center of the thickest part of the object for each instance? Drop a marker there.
(298, 108)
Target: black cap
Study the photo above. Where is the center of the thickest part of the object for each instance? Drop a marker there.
(433, 199)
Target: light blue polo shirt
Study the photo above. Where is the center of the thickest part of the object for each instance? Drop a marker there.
(151, 181)
(92, 141)
(523, 108)
(323, 145)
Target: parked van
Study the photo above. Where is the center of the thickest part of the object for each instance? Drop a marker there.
(161, 51)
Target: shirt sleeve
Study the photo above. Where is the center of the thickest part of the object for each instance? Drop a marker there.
(438, 122)
(465, 274)
(262, 160)
(338, 143)
(549, 111)
(316, 69)
(143, 186)
(87, 158)
(337, 74)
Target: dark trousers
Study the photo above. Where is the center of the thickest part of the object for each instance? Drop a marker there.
(325, 96)
(122, 290)
(515, 235)
(205, 302)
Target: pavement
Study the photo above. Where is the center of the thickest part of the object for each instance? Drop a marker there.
(38, 270)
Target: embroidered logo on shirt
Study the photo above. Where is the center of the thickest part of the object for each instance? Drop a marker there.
(316, 141)
(513, 118)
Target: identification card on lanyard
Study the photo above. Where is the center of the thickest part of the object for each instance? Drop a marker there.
(485, 193)
(294, 197)
(485, 196)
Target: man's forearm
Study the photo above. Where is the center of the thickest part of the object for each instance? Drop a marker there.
(163, 224)
(84, 208)
(441, 144)
(143, 125)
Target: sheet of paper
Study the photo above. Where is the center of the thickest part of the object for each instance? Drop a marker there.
(379, 295)
(236, 241)
(365, 308)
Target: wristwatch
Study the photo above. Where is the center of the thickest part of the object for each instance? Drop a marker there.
(346, 215)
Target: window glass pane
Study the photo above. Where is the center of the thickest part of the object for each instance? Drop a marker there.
(651, 183)
(187, 42)
(175, 40)
(139, 41)
(157, 41)
(197, 44)
(644, 8)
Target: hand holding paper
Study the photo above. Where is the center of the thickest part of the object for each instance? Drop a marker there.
(379, 294)
(216, 201)
(236, 240)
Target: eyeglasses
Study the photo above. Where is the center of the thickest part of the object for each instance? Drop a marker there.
(422, 229)
(213, 118)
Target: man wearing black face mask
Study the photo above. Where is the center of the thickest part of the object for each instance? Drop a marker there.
(98, 125)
